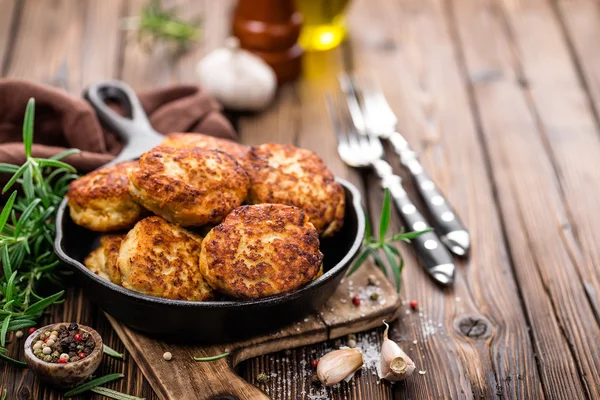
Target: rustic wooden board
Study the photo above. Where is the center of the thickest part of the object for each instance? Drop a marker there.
(184, 378)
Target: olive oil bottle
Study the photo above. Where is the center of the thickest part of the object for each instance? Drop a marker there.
(323, 23)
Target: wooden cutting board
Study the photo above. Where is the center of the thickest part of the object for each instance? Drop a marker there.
(183, 378)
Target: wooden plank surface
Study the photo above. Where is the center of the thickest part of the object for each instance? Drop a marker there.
(411, 51)
(501, 98)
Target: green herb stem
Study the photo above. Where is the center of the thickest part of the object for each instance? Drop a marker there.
(372, 245)
(217, 357)
(113, 394)
(92, 384)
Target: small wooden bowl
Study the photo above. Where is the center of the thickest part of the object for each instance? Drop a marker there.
(64, 375)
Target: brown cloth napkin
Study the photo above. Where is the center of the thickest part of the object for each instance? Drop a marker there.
(64, 121)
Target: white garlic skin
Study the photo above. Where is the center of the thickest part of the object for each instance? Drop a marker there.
(237, 78)
(395, 364)
(339, 365)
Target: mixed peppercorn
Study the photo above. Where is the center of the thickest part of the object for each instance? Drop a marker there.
(65, 345)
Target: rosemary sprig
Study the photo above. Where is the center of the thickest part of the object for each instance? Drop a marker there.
(84, 387)
(372, 246)
(27, 230)
(156, 23)
(113, 394)
(111, 352)
(213, 358)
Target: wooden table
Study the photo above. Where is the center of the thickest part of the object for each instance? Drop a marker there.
(501, 99)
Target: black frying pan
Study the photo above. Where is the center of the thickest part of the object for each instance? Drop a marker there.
(214, 321)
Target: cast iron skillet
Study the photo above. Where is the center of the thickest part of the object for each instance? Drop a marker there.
(214, 321)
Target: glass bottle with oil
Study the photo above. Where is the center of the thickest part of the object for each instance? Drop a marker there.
(323, 23)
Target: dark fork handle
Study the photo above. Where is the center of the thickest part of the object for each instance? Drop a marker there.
(445, 220)
(432, 254)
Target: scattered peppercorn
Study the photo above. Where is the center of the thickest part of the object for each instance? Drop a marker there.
(315, 363)
(413, 304)
(373, 281)
(31, 330)
(351, 343)
(167, 356)
(315, 379)
(262, 378)
(19, 334)
(356, 301)
(374, 296)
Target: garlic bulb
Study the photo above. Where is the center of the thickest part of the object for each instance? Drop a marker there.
(339, 365)
(237, 78)
(395, 364)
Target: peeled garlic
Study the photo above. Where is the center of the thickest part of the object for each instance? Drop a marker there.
(237, 78)
(339, 365)
(395, 364)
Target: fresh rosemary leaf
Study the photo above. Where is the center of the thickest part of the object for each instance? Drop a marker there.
(384, 220)
(217, 357)
(65, 154)
(360, 260)
(394, 264)
(4, 395)
(8, 168)
(367, 225)
(27, 184)
(6, 261)
(92, 384)
(113, 394)
(379, 262)
(15, 325)
(17, 175)
(408, 236)
(111, 352)
(18, 363)
(56, 164)
(9, 292)
(41, 305)
(6, 210)
(28, 127)
(4, 329)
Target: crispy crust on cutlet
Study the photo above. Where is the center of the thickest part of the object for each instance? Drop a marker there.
(201, 141)
(261, 250)
(189, 187)
(100, 201)
(161, 259)
(286, 174)
(103, 260)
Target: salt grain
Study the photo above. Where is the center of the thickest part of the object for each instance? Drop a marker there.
(422, 372)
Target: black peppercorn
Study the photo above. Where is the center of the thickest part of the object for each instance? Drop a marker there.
(73, 326)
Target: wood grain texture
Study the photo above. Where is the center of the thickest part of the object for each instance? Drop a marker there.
(9, 18)
(512, 135)
(184, 378)
(410, 50)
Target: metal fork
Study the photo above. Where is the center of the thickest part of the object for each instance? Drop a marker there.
(363, 151)
(371, 115)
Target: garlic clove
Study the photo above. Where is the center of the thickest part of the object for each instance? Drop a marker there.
(339, 365)
(237, 78)
(395, 364)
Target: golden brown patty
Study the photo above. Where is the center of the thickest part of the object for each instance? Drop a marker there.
(161, 259)
(100, 200)
(261, 250)
(188, 186)
(285, 174)
(103, 260)
(198, 140)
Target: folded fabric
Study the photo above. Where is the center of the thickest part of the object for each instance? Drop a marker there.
(64, 121)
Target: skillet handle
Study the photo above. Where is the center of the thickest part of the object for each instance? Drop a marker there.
(134, 129)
